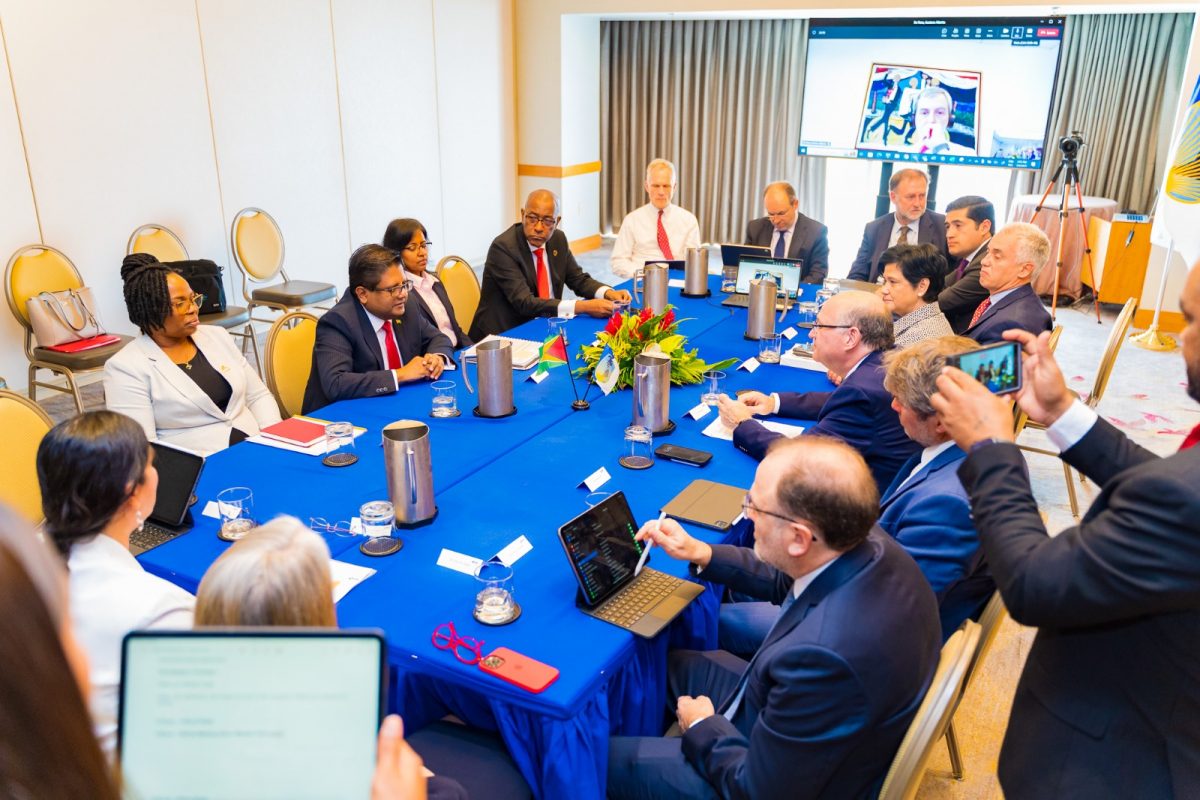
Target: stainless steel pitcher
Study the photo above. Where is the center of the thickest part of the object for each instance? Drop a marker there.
(695, 272)
(760, 322)
(495, 378)
(654, 276)
(409, 468)
(652, 391)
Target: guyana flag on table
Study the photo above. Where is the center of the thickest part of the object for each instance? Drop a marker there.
(552, 353)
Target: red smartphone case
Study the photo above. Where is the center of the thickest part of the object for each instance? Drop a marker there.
(519, 670)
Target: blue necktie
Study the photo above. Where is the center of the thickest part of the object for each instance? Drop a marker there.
(780, 252)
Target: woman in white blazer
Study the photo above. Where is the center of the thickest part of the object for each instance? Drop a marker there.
(185, 383)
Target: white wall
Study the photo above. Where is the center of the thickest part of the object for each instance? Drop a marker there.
(334, 115)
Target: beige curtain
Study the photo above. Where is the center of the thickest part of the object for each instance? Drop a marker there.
(1118, 84)
(719, 98)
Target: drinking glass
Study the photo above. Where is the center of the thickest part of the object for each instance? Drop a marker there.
(445, 401)
(638, 453)
(596, 498)
(712, 387)
(339, 445)
(832, 285)
(558, 326)
(377, 517)
(823, 295)
(769, 347)
(729, 279)
(807, 312)
(494, 604)
(236, 507)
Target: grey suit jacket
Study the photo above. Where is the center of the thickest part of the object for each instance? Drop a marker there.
(931, 229)
(810, 242)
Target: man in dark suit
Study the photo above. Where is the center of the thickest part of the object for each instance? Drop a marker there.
(526, 269)
(790, 234)
(1107, 704)
(373, 339)
(1013, 256)
(820, 709)
(911, 223)
(926, 508)
(852, 330)
(970, 222)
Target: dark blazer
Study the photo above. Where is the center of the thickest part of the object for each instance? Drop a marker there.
(859, 412)
(1108, 703)
(463, 339)
(1019, 309)
(810, 241)
(930, 517)
(346, 360)
(833, 688)
(962, 296)
(509, 293)
(931, 229)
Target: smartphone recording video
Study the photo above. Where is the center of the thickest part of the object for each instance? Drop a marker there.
(997, 366)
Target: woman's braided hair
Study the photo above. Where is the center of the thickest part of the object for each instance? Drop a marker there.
(147, 298)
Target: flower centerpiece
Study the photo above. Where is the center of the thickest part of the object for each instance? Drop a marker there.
(632, 333)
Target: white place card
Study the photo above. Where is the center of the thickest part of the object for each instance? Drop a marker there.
(356, 525)
(538, 377)
(700, 412)
(789, 333)
(676, 283)
(596, 479)
(750, 364)
(210, 510)
(458, 562)
(513, 551)
(346, 576)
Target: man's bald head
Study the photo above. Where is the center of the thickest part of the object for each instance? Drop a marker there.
(540, 216)
(866, 312)
(781, 205)
(543, 199)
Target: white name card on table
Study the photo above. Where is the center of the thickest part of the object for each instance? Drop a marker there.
(513, 551)
(717, 430)
(459, 562)
(789, 333)
(538, 377)
(346, 576)
(750, 364)
(595, 480)
(676, 283)
(211, 510)
(789, 359)
(700, 411)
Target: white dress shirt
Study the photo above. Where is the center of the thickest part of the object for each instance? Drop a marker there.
(787, 237)
(637, 241)
(381, 335)
(927, 455)
(423, 283)
(1072, 426)
(112, 595)
(566, 308)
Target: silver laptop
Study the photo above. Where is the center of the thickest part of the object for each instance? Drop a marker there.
(786, 271)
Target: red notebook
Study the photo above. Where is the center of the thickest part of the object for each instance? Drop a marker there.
(86, 344)
(296, 431)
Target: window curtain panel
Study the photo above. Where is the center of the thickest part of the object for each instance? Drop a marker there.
(719, 98)
(1118, 84)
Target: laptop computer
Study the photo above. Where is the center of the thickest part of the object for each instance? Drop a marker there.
(280, 712)
(732, 254)
(603, 554)
(178, 473)
(787, 272)
(676, 264)
(706, 503)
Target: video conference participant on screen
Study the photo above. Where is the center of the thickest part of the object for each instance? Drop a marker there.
(970, 222)
(935, 115)
(789, 233)
(373, 340)
(657, 230)
(821, 708)
(910, 223)
(1014, 254)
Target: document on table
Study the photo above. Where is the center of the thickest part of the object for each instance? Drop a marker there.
(717, 430)
(789, 359)
(346, 576)
(317, 449)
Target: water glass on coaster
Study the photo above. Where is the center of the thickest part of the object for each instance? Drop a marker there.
(557, 326)
(713, 380)
(638, 452)
(494, 603)
(378, 520)
(445, 399)
(339, 445)
(769, 348)
(236, 507)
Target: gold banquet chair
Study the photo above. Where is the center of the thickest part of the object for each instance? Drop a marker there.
(162, 243)
(994, 614)
(289, 359)
(933, 716)
(38, 268)
(258, 252)
(24, 423)
(462, 286)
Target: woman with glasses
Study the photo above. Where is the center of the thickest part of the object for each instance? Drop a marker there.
(187, 384)
(409, 238)
(913, 276)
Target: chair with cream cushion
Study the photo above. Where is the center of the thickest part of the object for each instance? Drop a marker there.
(258, 252)
(289, 359)
(462, 286)
(24, 424)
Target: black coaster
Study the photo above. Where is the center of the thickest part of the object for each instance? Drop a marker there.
(624, 462)
(381, 546)
(339, 459)
(502, 416)
(750, 338)
(667, 431)
(516, 616)
(707, 293)
(456, 413)
(420, 524)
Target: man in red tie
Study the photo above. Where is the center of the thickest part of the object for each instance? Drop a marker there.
(372, 340)
(526, 269)
(1014, 256)
(659, 230)
(1108, 701)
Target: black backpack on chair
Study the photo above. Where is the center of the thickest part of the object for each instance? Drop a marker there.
(204, 276)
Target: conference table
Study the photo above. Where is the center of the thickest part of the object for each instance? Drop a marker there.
(496, 480)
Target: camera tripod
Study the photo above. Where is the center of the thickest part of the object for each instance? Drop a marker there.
(1069, 164)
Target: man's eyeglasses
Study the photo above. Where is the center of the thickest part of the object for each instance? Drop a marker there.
(823, 325)
(417, 247)
(395, 290)
(547, 222)
(748, 506)
(180, 305)
(466, 649)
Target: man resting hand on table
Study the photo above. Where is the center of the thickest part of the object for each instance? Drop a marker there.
(820, 709)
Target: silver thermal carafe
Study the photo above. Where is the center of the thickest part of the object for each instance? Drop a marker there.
(409, 472)
(495, 378)
(655, 277)
(695, 273)
(652, 391)
(760, 322)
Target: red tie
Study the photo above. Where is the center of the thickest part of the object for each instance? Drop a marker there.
(543, 277)
(389, 338)
(663, 244)
(987, 302)
(1193, 438)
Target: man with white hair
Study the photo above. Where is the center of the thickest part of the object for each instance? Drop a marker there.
(1014, 255)
(659, 230)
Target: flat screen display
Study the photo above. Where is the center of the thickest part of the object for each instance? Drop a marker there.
(601, 548)
(178, 473)
(786, 272)
(941, 90)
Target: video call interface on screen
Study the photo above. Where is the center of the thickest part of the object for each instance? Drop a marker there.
(209, 715)
(943, 91)
(601, 546)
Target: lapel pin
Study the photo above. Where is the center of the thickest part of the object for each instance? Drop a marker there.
(554, 253)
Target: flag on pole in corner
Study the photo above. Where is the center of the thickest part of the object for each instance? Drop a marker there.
(1180, 204)
(552, 353)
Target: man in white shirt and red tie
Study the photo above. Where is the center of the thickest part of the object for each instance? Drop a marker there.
(658, 230)
(526, 269)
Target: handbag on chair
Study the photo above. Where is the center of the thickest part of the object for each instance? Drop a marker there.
(62, 317)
